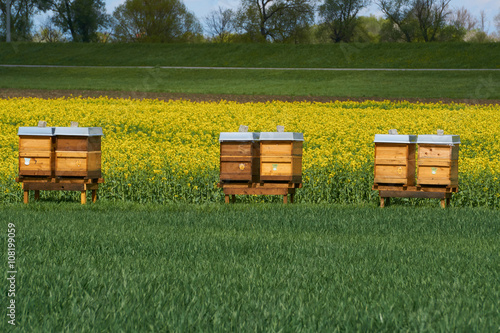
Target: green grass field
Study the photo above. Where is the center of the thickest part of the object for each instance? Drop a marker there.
(247, 267)
(469, 85)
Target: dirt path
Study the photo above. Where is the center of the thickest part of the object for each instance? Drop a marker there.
(40, 93)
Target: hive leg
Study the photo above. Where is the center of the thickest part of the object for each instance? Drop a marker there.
(226, 198)
(94, 195)
(26, 197)
(443, 203)
(233, 198)
(382, 202)
(37, 195)
(285, 198)
(447, 202)
(292, 196)
(84, 197)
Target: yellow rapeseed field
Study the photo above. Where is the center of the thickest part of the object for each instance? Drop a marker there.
(169, 151)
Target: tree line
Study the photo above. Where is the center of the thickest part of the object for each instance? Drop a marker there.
(278, 21)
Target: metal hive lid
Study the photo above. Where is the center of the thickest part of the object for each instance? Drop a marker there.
(78, 131)
(281, 136)
(36, 131)
(238, 136)
(439, 139)
(395, 138)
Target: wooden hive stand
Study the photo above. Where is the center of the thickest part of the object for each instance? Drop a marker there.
(284, 189)
(38, 184)
(419, 191)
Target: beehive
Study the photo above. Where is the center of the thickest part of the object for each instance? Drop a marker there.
(239, 157)
(78, 152)
(36, 153)
(281, 157)
(438, 159)
(395, 159)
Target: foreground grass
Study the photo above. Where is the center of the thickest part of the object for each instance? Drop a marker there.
(420, 84)
(106, 267)
(353, 55)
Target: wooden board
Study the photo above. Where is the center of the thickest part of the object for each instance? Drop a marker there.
(36, 157)
(281, 161)
(78, 164)
(238, 149)
(414, 194)
(236, 170)
(428, 175)
(431, 191)
(281, 148)
(281, 169)
(36, 163)
(38, 184)
(438, 152)
(394, 163)
(35, 143)
(437, 164)
(283, 189)
(78, 143)
(397, 151)
(239, 161)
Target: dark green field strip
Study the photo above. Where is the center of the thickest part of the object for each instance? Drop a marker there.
(449, 84)
(255, 267)
(354, 55)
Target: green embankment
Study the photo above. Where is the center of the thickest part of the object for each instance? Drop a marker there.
(357, 55)
(269, 267)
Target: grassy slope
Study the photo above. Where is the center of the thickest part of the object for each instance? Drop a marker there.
(417, 55)
(254, 268)
(470, 85)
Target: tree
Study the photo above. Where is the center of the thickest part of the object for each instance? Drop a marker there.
(21, 18)
(340, 17)
(278, 20)
(400, 14)
(368, 29)
(416, 19)
(461, 18)
(220, 24)
(496, 21)
(482, 21)
(459, 23)
(81, 18)
(431, 16)
(155, 21)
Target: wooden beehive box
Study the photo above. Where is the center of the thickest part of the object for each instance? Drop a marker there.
(239, 157)
(281, 157)
(78, 152)
(395, 159)
(36, 151)
(438, 159)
